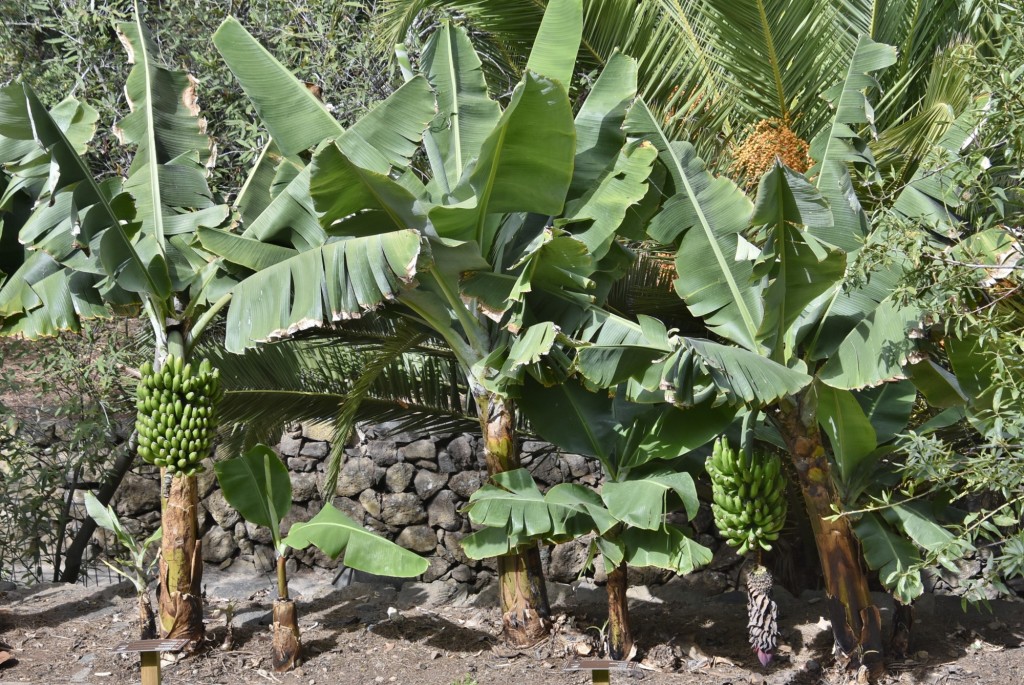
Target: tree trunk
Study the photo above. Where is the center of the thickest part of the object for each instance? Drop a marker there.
(620, 635)
(899, 638)
(73, 556)
(525, 613)
(181, 563)
(147, 620)
(856, 622)
(287, 644)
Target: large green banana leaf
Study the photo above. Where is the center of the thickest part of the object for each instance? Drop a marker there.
(166, 130)
(295, 117)
(257, 485)
(850, 433)
(337, 281)
(599, 134)
(525, 165)
(466, 114)
(892, 555)
(875, 351)
(839, 145)
(668, 547)
(333, 533)
(799, 267)
(705, 217)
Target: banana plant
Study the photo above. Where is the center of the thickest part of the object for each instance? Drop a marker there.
(501, 251)
(776, 278)
(258, 486)
(122, 245)
(635, 445)
(137, 567)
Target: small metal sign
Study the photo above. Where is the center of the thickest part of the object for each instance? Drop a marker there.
(175, 645)
(150, 651)
(600, 665)
(601, 669)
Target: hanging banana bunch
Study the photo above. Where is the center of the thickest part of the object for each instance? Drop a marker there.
(177, 417)
(749, 505)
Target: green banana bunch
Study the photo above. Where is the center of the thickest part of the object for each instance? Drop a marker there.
(176, 414)
(748, 496)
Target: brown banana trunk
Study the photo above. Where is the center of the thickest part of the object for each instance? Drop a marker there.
(620, 635)
(181, 563)
(525, 613)
(287, 643)
(902, 621)
(147, 620)
(856, 622)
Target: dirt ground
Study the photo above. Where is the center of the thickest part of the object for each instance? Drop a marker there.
(440, 634)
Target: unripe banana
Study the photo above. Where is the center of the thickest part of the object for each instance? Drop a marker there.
(748, 493)
(176, 411)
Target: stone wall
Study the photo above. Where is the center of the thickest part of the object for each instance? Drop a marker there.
(408, 487)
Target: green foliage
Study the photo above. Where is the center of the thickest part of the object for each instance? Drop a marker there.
(258, 486)
(68, 397)
(963, 272)
(135, 567)
(627, 518)
(333, 533)
(70, 46)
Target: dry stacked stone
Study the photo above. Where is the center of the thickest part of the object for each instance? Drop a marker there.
(408, 486)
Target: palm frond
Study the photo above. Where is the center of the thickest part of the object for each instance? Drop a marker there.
(384, 372)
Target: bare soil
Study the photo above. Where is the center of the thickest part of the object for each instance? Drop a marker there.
(440, 634)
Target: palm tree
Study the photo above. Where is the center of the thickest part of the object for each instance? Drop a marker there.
(711, 69)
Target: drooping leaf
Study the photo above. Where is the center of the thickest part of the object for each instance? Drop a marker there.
(921, 525)
(875, 351)
(577, 510)
(891, 555)
(571, 417)
(642, 503)
(512, 502)
(333, 533)
(668, 548)
(103, 216)
(340, 188)
(743, 376)
(340, 280)
(248, 252)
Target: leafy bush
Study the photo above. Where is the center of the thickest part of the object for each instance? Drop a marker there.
(70, 47)
(72, 398)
